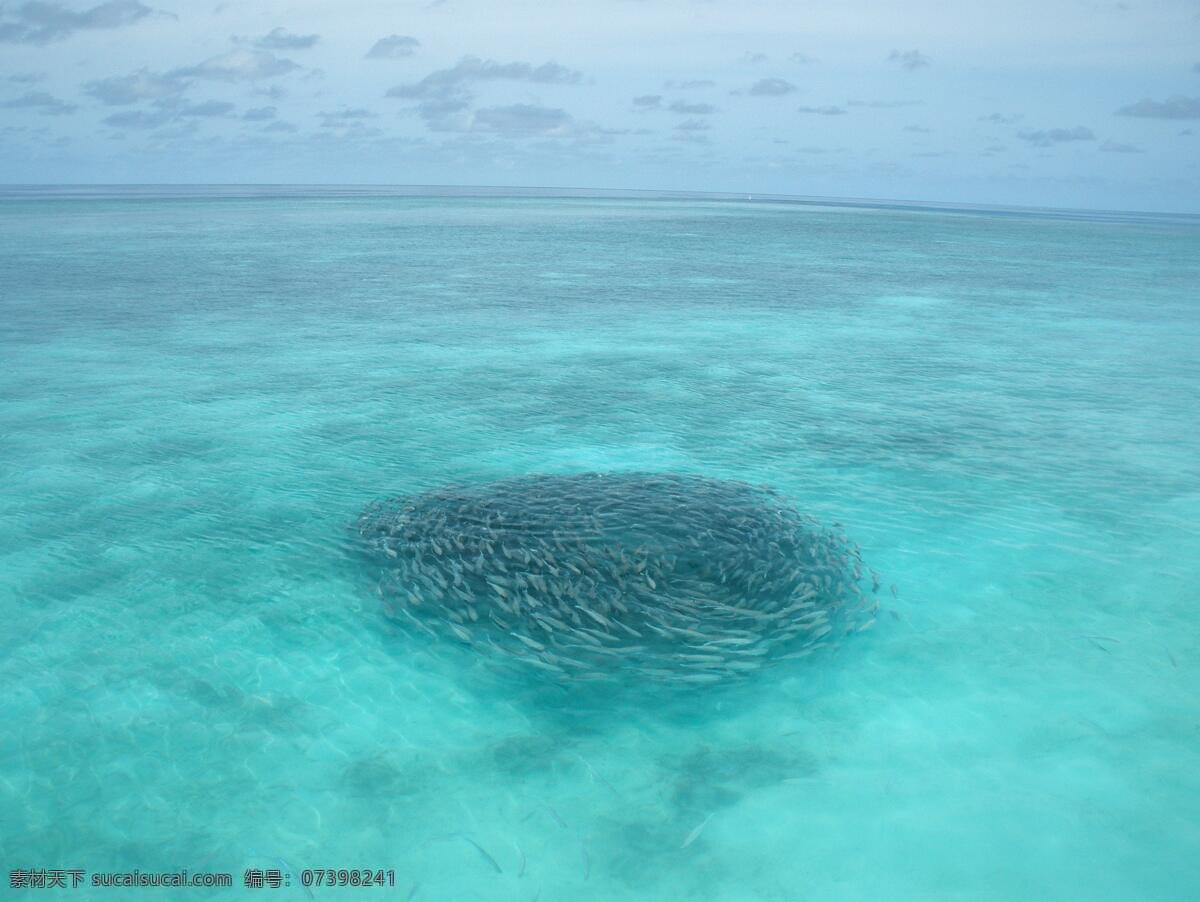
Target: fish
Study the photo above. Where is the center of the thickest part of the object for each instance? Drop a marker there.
(599, 618)
(695, 834)
(698, 658)
(544, 665)
(532, 643)
(484, 852)
(699, 678)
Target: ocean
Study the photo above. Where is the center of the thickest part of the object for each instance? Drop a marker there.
(201, 390)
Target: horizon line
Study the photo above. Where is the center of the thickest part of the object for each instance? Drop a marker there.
(585, 191)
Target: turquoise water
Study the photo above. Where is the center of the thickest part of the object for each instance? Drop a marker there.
(200, 394)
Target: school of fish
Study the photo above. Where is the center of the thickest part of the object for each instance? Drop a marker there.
(668, 577)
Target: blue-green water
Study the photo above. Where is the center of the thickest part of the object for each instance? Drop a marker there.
(199, 394)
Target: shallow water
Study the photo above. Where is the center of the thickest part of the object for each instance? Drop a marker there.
(200, 394)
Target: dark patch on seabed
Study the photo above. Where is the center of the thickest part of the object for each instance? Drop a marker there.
(636, 843)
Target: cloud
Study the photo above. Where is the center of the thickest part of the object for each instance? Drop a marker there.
(802, 58)
(272, 92)
(345, 118)
(141, 85)
(206, 109)
(259, 114)
(909, 59)
(1186, 133)
(238, 65)
(449, 83)
(693, 125)
(39, 22)
(393, 47)
(1117, 147)
(694, 84)
(1176, 107)
(1196, 68)
(521, 119)
(280, 127)
(918, 129)
(692, 109)
(883, 104)
(167, 103)
(445, 97)
(1048, 137)
(347, 114)
(139, 119)
(41, 102)
(753, 57)
(282, 39)
(648, 102)
(449, 115)
(1002, 119)
(350, 130)
(167, 110)
(24, 78)
(822, 110)
(771, 87)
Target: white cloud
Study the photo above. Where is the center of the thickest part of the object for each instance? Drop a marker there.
(1051, 136)
(394, 46)
(771, 87)
(140, 85)
(238, 65)
(909, 59)
(41, 22)
(282, 39)
(1177, 107)
(41, 102)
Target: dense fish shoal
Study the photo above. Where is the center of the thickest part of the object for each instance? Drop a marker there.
(669, 577)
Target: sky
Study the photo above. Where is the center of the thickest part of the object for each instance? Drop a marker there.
(1060, 103)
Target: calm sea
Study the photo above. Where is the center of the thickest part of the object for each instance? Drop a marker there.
(201, 390)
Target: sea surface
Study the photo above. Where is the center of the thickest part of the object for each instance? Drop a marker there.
(201, 391)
